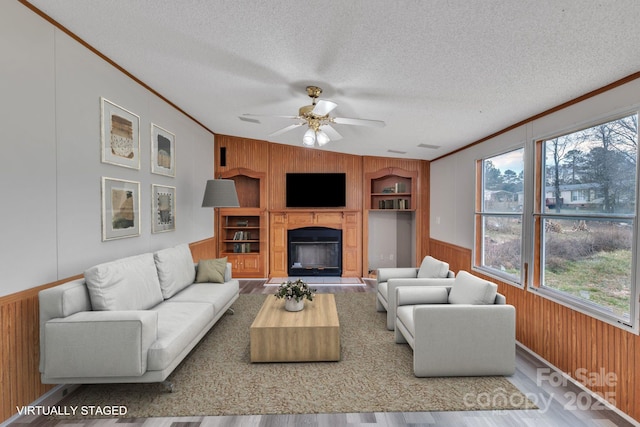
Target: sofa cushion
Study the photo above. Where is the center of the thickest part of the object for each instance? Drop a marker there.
(216, 294)
(470, 289)
(433, 268)
(211, 270)
(175, 269)
(178, 325)
(125, 284)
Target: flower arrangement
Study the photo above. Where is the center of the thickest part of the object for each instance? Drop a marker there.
(297, 290)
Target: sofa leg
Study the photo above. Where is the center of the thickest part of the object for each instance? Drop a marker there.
(168, 386)
(230, 311)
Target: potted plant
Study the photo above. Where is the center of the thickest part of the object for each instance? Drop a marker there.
(294, 294)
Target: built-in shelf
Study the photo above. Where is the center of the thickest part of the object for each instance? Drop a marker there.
(242, 231)
(391, 189)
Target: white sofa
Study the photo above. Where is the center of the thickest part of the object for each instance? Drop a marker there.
(432, 272)
(131, 320)
(465, 329)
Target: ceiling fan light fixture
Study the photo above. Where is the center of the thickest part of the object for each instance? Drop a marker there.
(309, 138)
(321, 138)
(316, 116)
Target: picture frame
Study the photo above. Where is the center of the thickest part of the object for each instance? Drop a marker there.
(120, 208)
(163, 208)
(163, 151)
(120, 135)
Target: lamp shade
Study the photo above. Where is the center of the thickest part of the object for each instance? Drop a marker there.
(220, 193)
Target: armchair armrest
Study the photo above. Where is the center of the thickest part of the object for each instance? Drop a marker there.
(99, 344)
(393, 284)
(384, 274)
(461, 339)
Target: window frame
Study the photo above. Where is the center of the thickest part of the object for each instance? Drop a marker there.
(479, 216)
(535, 233)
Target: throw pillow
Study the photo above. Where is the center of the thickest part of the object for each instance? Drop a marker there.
(211, 270)
(470, 289)
(432, 268)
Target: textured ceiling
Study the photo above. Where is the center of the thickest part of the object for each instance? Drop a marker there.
(443, 73)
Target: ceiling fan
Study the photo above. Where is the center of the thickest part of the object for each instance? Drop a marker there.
(316, 117)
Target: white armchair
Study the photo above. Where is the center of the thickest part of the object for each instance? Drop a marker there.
(432, 272)
(465, 329)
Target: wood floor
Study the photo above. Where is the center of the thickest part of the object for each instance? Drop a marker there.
(564, 405)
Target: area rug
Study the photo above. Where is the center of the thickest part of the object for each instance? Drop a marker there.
(374, 375)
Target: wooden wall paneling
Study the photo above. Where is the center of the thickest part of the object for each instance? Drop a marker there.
(203, 249)
(634, 394)
(568, 339)
(278, 245)
(288, 158)
(20, 349)
(241, 153)
(459, 258)
(424, 217)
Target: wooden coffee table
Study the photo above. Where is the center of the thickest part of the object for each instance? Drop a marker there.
(310, 335)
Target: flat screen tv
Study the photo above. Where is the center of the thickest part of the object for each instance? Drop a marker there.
(316, 190)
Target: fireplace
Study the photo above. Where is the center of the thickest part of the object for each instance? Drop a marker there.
(314, 251)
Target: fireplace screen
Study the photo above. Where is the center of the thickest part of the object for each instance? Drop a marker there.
(315, 251)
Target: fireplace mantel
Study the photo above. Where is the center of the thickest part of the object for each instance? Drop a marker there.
(349, 221)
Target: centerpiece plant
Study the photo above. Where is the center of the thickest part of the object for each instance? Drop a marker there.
(295, 290)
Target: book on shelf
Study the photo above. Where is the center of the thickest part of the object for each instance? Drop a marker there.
(394, 204)
(242, 235)
(242, 248)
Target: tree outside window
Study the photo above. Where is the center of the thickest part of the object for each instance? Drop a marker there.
(499, 215)
(586, 219)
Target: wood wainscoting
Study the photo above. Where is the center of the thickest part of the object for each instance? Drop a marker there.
(203, 249)
(20, 343)
(20, 350)
(585, 348)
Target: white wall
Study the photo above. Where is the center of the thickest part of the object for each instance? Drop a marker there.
(453, 177)
(51, 170)
(391, 239)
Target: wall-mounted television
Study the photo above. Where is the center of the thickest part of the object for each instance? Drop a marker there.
(316, 190)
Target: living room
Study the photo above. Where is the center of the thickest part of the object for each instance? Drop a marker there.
(56, 86)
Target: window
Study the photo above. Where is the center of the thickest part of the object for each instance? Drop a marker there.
(586, 217)
(498, 217)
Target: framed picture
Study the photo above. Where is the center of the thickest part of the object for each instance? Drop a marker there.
(120, 135)
(163, 151)
(163, 208)
(120, 208)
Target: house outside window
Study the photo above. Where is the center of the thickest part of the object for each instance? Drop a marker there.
(586, 219)
(498, 216)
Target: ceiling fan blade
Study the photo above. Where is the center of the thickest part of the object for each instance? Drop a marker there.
(331, 132)
(287, 129)
(359, 122)
(269, 115)
(323, 107)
